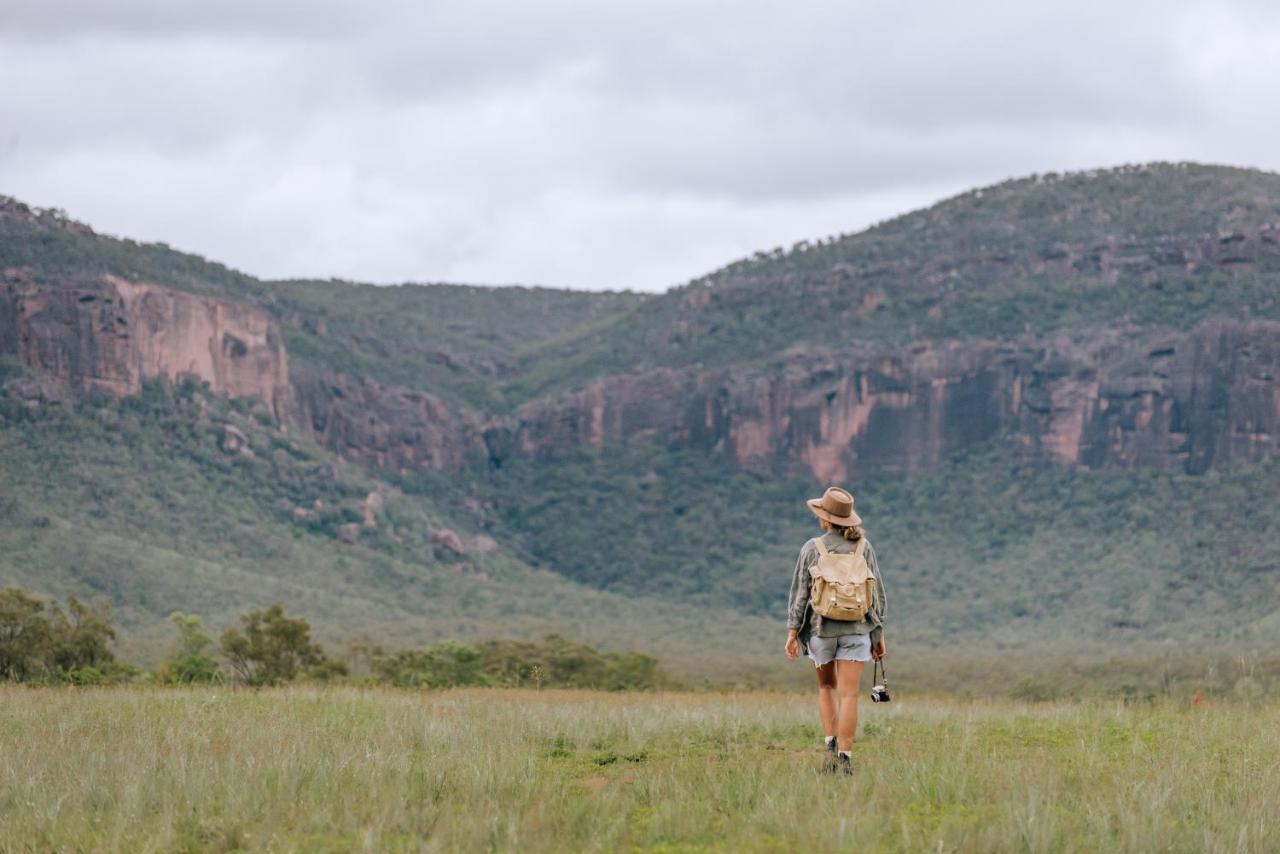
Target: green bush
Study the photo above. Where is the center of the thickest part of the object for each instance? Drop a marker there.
(39, 641)
(271, 648)
(444, 665)
(556, 662)
(190, 662)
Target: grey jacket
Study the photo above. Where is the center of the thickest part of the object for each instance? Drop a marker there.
(800, 615)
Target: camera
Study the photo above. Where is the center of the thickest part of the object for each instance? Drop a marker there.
(880, 691)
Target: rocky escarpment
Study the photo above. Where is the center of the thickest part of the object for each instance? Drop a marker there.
(388, 427)
(104, 333)
(1172, 400)
(1127, 397)
(109, 334)
(1035, 314)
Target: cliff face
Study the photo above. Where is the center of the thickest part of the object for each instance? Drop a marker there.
(1136, 398)
(1172, 400)
(1035, 314)
(388, 427)
(109, 334)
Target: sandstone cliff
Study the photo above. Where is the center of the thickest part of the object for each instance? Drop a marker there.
(106, 333)
(1127, 397)
(1036, 314)
(1183, 400)
(388, 427)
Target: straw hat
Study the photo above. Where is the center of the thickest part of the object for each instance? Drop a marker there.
(835, 506)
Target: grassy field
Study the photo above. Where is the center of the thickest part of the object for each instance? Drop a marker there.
(381, 770)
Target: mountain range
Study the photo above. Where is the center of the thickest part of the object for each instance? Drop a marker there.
(1055, 400)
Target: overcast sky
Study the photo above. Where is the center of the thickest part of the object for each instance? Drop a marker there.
(613, 144)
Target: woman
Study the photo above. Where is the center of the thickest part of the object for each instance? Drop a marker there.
(838, 648)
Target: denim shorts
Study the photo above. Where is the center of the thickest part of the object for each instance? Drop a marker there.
(842, 648)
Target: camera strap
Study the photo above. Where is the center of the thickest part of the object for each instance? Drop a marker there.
(878, 674)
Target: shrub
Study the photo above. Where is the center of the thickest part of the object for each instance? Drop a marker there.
(24, 635)
(190, 662)
(556, 662)
(443, 665)
(272, 648)
(41, 641)
(80, 637)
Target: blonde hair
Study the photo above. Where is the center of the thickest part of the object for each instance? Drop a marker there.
(853, 533)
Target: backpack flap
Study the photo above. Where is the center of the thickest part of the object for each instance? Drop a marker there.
(843, 585)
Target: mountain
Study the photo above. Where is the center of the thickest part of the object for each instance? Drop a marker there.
(1055, 400)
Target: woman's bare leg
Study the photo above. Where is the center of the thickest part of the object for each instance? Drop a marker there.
(848, 678)
(827, 697)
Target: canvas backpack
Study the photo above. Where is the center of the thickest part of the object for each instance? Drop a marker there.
(843, 584)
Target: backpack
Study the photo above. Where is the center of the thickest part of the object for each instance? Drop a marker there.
(843, 584)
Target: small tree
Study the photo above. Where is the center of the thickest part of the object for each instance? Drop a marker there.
(80, 636)
(271, 648)
(24, 635)
(190, 662)
(40, 640)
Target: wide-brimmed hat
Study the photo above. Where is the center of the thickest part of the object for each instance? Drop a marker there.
(835, 506)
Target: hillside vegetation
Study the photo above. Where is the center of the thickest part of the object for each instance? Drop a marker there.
(644, 544)
(984, 547)
(1138, 245)
(1057, 253)
(454, 340)
(138, 501)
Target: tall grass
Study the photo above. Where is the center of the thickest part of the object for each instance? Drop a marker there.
(346, 769)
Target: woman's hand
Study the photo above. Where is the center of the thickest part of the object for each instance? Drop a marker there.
(877, 652)
(793, 645)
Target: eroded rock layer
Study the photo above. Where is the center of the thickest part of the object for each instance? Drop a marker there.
(388, 427)
(1183, 400)
(1129, 397)
(109, 334)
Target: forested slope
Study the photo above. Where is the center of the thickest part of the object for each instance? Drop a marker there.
(1055, 400)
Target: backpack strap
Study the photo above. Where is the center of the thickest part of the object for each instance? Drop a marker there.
(862, 546)
(822, 547)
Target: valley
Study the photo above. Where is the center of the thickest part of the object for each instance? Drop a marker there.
(1055, 400)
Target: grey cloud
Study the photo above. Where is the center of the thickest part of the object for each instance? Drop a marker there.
(592, 145)
(61, 18)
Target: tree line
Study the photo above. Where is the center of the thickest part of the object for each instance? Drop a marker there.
(41, 642)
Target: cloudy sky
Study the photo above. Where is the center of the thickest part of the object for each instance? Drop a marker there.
(620, 144)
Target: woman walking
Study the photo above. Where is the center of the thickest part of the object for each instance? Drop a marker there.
(836, 616)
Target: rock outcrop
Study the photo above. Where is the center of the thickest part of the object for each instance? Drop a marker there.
(108, 334)
(448, 541)
(1132, 398)
(370, 508)
(1135, 397)
(388, 427)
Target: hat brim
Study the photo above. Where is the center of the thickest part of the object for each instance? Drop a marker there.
(815, 505)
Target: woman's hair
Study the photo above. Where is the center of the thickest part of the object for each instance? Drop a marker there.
(850, 532)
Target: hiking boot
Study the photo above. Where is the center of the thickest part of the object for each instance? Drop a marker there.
(844, 765)
(829, 763)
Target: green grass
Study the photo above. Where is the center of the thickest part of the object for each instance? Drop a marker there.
(383, 770)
